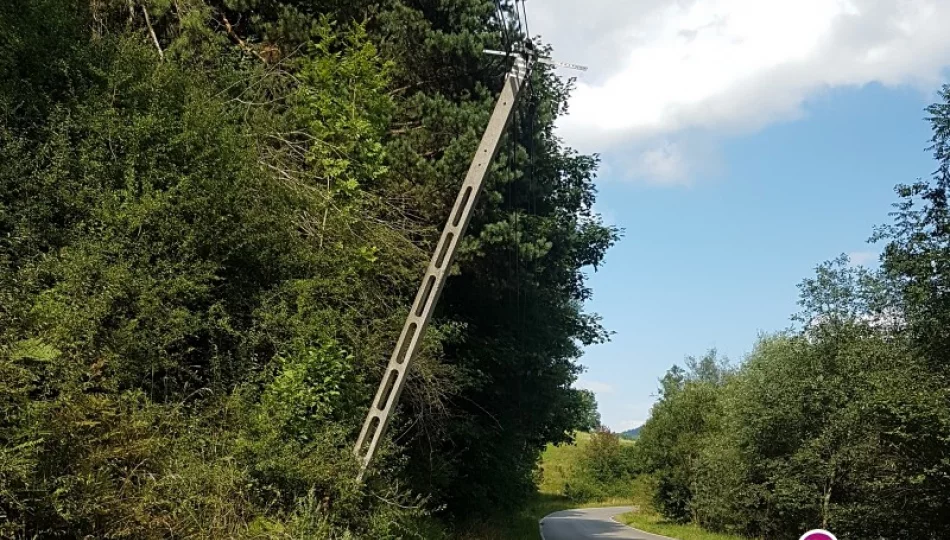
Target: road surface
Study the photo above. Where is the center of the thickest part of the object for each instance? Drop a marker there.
(591, 523)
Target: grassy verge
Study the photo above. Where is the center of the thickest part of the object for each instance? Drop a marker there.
(655, 524)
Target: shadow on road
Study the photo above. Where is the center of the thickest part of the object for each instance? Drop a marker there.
(591, 523)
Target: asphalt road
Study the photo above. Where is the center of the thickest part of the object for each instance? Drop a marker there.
(591, 523)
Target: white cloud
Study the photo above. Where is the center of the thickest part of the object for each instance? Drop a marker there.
(664, 164)
(626, 425)
(662, 69)
(862, 258)
(594, 386)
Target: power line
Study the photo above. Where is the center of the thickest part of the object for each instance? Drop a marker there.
(503, 21)
(518, 16)
(524, 10)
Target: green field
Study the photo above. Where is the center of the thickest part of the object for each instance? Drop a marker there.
(557, 462)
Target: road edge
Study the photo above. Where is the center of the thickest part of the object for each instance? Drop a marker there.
(614, 519)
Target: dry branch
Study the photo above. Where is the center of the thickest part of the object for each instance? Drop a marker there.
(237, 39)
(148, 23)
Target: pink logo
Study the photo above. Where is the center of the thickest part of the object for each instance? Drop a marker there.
(818, 534)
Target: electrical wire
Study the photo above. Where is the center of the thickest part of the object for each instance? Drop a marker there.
(514, 7)
(503, 22)
(524, 10)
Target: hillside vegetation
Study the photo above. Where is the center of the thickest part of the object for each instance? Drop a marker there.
(631, 434)
(213, 217)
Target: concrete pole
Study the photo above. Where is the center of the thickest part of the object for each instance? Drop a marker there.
(394, 379)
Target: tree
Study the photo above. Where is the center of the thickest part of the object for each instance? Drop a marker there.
(602, 460)
(916, 254)
(670, 442)
(588, 416)
(816, 427)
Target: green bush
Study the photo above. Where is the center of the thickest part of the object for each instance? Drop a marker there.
(604, 468)
(581, 489)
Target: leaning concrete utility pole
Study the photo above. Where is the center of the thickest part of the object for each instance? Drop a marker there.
(410, 339)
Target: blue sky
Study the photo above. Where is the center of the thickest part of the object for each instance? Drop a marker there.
(743, 143)
(716, 262)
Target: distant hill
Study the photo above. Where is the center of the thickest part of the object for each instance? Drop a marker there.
(631, 433)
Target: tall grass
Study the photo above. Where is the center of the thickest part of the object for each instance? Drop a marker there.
(649, 521)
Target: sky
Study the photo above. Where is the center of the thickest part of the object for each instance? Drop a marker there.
(743, 142)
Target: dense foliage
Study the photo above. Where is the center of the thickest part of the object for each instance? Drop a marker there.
(604, 468)
(213, 216)
(844, 424)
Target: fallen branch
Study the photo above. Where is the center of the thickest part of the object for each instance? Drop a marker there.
(241, 43)
(148, 23)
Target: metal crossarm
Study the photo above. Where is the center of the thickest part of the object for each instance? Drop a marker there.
(541, 60)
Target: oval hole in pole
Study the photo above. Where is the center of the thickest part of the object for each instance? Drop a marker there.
(444, 250)
(426, 293)
(370, 435)
(465, 197)
(388, 389)
(404, 346)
